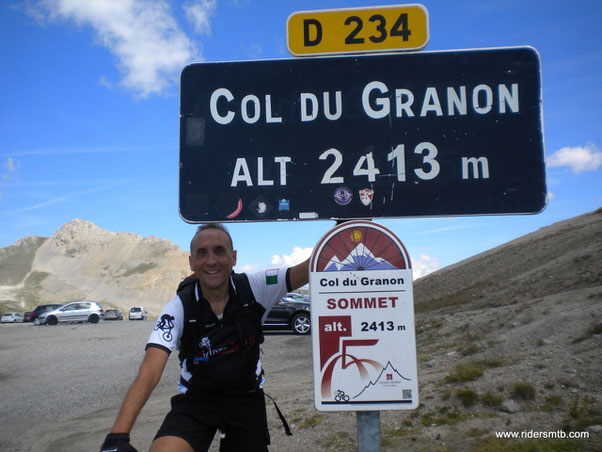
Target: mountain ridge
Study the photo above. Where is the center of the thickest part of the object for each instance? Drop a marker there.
(83, 261)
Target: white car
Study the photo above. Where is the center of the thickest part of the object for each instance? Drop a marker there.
(79, 311)
(137, 313)
(11, 317)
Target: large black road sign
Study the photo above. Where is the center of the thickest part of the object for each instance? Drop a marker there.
(423, 134)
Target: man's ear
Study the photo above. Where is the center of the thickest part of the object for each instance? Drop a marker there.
(190, 263)
(233, 258)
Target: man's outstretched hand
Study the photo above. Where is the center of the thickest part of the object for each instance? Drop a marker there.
(117, 442)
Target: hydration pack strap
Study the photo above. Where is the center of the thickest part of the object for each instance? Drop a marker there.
(284, 423)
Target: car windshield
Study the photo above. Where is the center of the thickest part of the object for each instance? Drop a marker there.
(135, 310)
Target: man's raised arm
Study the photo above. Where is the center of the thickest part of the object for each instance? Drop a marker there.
(299, 275)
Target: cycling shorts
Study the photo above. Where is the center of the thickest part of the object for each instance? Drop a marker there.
(241, 418)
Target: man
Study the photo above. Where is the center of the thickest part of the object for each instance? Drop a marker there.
(221, 381)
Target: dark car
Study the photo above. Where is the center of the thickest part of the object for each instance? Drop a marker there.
(42, 308)
(113, 314)
(27, 316)
(291, 312)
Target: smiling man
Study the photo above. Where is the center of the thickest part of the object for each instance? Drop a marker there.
(215, 323)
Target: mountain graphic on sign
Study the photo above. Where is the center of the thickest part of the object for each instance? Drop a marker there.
(388, 369)
(360, 258)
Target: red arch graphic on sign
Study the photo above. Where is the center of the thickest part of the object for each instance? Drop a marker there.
(360, 245)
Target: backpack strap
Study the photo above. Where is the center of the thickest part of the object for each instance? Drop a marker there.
(242, 288)
(187, 295)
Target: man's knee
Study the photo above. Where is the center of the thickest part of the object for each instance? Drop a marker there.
(170, 444)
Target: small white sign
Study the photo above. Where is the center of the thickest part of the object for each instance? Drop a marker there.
(362, 308)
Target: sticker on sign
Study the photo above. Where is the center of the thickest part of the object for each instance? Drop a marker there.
(364, 346)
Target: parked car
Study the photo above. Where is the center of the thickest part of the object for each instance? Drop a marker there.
(113, 314)
(79, 311)
(27, 316)
(43, 308)
(290, 312)
(297, 296)
(137, 313)
(11, 317)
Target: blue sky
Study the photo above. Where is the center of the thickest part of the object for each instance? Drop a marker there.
(89, 114)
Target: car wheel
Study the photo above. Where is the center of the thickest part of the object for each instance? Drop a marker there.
(52, 320)
(93, 318)
(36, 322)
(301, 324)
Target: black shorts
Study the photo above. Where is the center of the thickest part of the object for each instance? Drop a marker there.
(241, 418)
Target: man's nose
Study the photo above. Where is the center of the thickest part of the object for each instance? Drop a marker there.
(211, 258)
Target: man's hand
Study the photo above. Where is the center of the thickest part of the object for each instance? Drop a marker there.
(117, 442)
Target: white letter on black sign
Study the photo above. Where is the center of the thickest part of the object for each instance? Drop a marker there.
(314, 107)
(213, 106)
(431, 102)
(456, 102)
(268, 110)
(400, 106)
(383, 102)
(338, 103)
(244, 109)
(508, 98)
(260, 180)
(283, 160)
(241, 173)
(488, 99)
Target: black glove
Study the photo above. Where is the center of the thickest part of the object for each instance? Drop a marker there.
(117, 442)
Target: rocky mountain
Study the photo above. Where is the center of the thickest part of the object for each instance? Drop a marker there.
(82, 261)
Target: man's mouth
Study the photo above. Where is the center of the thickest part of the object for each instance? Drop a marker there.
(211, 272)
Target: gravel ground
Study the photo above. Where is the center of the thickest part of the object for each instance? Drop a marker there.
(61, 387)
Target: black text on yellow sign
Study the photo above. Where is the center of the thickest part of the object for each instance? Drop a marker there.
(358, 30)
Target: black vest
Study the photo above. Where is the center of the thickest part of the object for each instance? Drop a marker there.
(222, 355)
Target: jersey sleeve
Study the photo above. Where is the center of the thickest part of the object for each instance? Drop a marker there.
(269, 286)
(167, 332)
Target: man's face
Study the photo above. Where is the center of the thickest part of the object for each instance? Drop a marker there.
(212, 258)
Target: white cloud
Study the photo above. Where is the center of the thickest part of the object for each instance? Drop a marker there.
(199, 13)
(578, 159)
(249, 268)
(424, 265)
(143, 35)
(68, 197)
(296, 257)
(253, 50)
(10, 166)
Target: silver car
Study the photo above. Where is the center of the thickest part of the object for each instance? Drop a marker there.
(11, 317)
(79, 311)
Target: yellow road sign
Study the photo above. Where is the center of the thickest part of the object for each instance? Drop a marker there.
(358, 30)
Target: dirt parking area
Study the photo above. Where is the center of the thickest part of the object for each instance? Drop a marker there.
(61, 388)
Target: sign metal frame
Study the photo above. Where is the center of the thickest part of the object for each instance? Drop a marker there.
(423, 134)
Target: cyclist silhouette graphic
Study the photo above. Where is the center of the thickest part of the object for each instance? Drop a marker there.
(165, 324)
